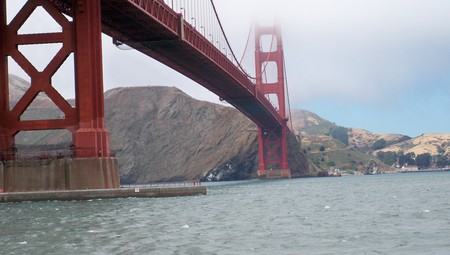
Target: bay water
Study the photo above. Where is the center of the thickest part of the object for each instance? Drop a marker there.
(380, 214)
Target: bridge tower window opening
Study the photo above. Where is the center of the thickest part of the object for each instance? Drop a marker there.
(269, 69)
(273, 99)
(268, 43)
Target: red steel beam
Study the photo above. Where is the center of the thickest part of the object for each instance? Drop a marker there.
(6, 138)
(82, 36)
(153, 28)
(272, 141)
(91, 132)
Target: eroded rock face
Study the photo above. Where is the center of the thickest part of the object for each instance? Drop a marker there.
(162, 134)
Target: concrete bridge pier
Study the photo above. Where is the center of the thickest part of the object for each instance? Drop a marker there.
(59, 174)
(90, 165)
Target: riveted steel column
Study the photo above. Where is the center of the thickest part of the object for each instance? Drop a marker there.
(6, 137)
(91, 139)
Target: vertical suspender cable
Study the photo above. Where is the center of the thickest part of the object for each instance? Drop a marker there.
(228, 43)
(287, 93)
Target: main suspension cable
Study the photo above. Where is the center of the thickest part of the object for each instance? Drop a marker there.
(232, 52)
(287, 94)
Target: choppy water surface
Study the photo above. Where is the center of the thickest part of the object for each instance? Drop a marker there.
(386, 214)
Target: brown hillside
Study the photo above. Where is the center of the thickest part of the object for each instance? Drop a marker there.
(427, 143)
(308, 123)
(162, 134)
(360, 138)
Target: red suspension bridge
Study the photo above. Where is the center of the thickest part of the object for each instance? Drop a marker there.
(184, 35)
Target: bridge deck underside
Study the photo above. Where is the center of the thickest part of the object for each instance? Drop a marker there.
(161, 33)
(122, 20)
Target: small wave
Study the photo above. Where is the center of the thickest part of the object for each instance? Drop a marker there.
(185, 226)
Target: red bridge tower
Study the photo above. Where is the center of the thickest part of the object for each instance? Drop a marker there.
(272, 153)
(90, 165)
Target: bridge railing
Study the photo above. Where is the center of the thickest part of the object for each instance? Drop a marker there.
(153, 8)
(196, 39)
(50, 154)
(197, 23)
(163, 184)
(202, 17)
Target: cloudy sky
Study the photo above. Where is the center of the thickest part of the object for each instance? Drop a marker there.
(380, 65)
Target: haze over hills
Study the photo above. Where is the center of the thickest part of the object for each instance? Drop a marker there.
(162, 134)
(354, 148)
(313, 127)
(309, 123)
(426, 143)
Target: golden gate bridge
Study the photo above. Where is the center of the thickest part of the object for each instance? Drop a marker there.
(185, 35)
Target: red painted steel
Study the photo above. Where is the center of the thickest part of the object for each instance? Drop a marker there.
(82, 36)
(90, 138)
(6, 138)
(153, 28)
(272, 140)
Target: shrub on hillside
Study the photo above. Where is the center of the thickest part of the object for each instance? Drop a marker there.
(379, 144)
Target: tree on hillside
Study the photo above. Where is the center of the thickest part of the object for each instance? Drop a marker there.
(423, 160)
(406, 159)
(379, 144)
(410, 158)
(441, 160)
(340, 134)
(388, 157)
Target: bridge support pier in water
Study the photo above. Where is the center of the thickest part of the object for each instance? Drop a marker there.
(272, 150)
(90, 165)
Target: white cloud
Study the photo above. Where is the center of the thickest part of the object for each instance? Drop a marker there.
(354, 50)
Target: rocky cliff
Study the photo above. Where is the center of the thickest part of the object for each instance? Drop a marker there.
(162, 134)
